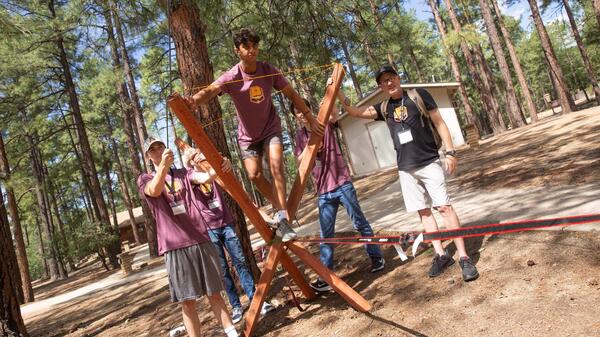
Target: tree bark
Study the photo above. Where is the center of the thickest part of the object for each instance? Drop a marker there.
(20, 250)
(564, 97)
(351, 70)
(196, 70)
(122, 183)
(454, 64)
(307, 92)
(138, 115)
(514, 110)
(482, 86)
(11, 322)
(86, 151)
(415, 63)
(136, 167)
(45, 270)
(46, 226)
(5, 229)
(525, 90)
(597, 11)
(62, 268)
(584, 55)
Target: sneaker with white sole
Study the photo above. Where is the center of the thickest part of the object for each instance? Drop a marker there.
(377, 264)
(236, 314)
(285, 231)
(320, 285)
(266, 308)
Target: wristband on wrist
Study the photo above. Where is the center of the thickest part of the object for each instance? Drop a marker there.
(451, 153)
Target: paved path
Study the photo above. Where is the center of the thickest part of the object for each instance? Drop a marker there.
(111, 281)
(385, 210)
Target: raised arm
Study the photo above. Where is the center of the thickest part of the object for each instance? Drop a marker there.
(204, 95)
(293, 96)
(354, 111)
(155, 186)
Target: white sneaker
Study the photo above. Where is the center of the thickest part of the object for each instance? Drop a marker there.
(266, 308)
(236, 315)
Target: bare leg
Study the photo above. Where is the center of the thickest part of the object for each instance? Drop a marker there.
(451, 221)
(430, 225)
(220, 310)
(253, 167)
(190, 318)
(275, 157)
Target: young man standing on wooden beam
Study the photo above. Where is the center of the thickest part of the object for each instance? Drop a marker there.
(250, 84)
(334, 188)
(415, 123)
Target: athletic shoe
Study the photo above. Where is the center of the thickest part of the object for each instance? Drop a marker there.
(266, 308)
(320, 285)
(469, 271)
(377, 264)
(236, 314)
(285, 231)
(440, 263)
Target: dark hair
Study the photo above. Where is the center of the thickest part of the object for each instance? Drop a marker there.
(292, 106)
(244, 36)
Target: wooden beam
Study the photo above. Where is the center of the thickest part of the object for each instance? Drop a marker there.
(311, 149)
(262, 288)
(341, 287)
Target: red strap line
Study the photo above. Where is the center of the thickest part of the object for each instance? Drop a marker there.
(463, 232)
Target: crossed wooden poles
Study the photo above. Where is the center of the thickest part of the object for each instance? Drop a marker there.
(279, 250)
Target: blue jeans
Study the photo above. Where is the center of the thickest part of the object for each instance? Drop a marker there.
(328, 206)
(226, 238)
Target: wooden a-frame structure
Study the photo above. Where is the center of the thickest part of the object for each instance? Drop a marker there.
(279, 250)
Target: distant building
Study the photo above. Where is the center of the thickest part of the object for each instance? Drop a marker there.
(125, 231)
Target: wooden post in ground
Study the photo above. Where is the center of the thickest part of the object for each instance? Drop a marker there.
(276, 253)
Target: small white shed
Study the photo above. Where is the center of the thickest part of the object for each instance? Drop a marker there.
(368, 142)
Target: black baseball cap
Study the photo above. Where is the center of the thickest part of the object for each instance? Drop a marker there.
(385, 69)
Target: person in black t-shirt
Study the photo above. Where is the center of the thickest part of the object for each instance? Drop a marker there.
(421, 174)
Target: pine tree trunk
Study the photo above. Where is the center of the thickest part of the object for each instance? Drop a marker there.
(351, 70)
(125, 108)
(514, 110)
(378, 24)
(597, 11)
(482, 87)
(46, 226)
(525, 91)
(584, 56)
(307, 92)
(62, 268)
(122, 183)
(13, 209)
(138, 116)
(41, 249)
(564, 97)
(454, 64)
(196, 71)
(5, 229)
(86, 151)
(11, 322)
(415, 63)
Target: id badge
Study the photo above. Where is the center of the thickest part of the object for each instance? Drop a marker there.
(178, 207)
(214, 204)
(405, 136)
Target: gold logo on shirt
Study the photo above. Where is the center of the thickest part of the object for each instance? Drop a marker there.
(256, 94)
(400, 113)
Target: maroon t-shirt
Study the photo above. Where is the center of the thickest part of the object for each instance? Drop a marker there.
(209, 198)
(251, 95)
(175, 231)
(330, 170)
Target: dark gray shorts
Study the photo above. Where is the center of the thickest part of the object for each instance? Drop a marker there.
(193, 272)
(258, 149)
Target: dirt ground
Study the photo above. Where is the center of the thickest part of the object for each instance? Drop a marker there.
(543, 283)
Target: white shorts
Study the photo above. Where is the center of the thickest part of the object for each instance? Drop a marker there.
(424, 187)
